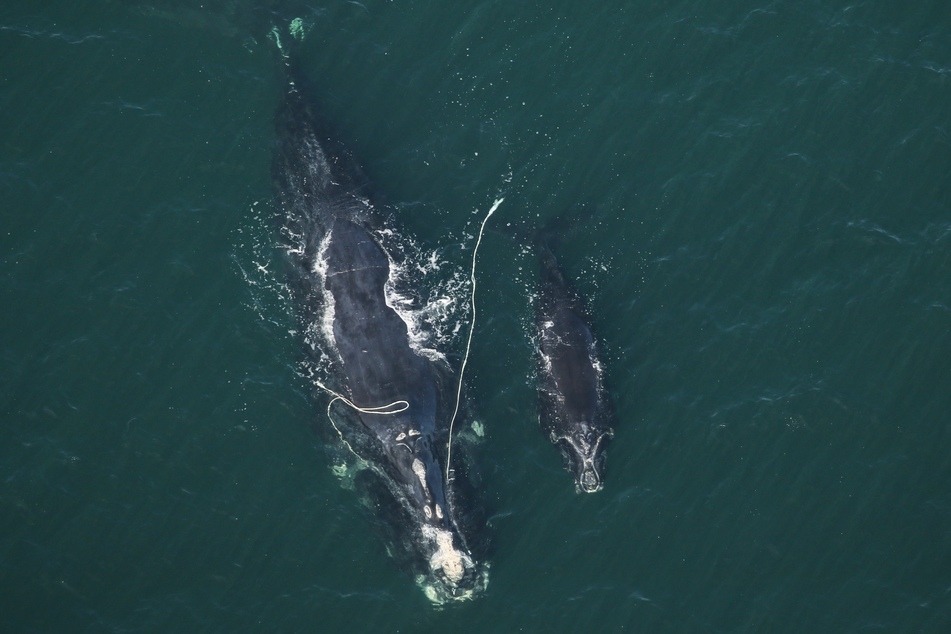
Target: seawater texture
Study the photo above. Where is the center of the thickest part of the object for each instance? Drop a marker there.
(765, 253)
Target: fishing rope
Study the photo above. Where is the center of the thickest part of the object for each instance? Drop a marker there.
(465, 358)
(380, 410)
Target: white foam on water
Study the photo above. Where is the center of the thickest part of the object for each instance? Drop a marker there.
(324, 327)
(257, 263)
(433, 305)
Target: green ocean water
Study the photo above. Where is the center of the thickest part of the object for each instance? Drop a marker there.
(766, 251)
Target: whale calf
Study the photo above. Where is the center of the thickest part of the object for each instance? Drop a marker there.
(389, 402)
(574, 410)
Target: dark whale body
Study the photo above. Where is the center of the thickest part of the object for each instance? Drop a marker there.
(361, 350)
(574, 409)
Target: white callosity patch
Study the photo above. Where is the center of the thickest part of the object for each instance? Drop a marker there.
(587, 452)
(404, 438)
(447, 558)
(449, 568)
(580, 443)
(420, 470)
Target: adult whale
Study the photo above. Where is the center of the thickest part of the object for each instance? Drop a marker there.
(389, 400)
(574, 409)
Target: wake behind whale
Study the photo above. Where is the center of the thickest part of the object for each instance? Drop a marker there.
(390, 402)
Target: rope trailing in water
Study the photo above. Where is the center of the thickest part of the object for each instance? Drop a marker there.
(465, 358)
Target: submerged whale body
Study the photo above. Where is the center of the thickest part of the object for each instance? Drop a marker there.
(574, 409)
(389, 403)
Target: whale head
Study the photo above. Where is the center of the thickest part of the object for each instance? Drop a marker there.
(583, 450)
(453, 574)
